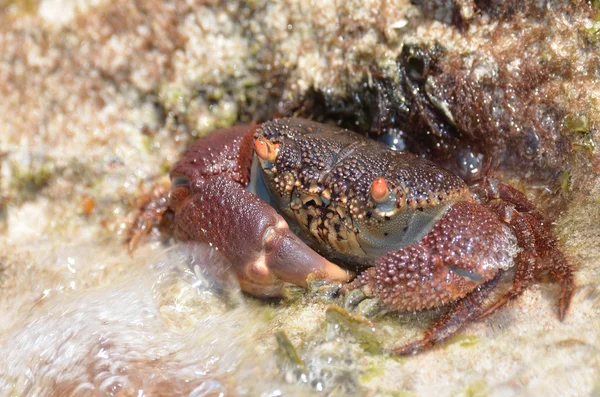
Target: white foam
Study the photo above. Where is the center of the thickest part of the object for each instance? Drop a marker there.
(167, 329)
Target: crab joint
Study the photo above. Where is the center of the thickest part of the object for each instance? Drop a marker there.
(265, 149)
(379, 190)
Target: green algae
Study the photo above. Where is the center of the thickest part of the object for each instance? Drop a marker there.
(578, 122)
(592, 34)
(477, 389)
(371, 372)
(463, 340)
(287, 352)
(395, 393)
(21, 6)
(363, 331)
(565, 182)
(28, 181)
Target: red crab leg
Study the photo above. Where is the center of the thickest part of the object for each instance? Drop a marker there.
(527, 221)
(536, 244)
(459, 313)
(491, 189)
(526, 266)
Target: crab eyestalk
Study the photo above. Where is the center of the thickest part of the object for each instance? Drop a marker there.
(266, 150)
(380, 193)
(379, 190)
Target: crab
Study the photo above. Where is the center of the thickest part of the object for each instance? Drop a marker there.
(293, 200)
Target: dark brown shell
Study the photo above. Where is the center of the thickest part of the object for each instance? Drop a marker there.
(326, 157)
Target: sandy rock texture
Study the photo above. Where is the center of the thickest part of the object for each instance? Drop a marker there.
(98, 99)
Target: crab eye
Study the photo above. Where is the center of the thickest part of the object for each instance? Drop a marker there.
(380, 193)
(266, 150)
(379, 190)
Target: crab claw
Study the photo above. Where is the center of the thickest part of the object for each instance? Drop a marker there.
(263, 251)
(286, 257)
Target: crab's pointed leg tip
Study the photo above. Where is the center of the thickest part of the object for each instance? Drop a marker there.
(562, 311)
(411, 349)
(132, 243)
(564, 303)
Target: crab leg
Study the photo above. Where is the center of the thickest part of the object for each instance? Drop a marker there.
(536, 244)
(459, 313)
(491, 189)
(526, 264)
(530, 225)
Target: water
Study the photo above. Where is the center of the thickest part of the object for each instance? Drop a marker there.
(167, 329)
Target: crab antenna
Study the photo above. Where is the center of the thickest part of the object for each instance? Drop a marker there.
(379, 190)
(265, 149)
